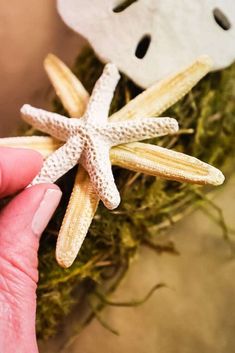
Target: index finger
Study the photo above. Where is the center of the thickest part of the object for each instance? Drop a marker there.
(18, 167)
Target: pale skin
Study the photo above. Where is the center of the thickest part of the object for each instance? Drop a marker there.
(22, 222)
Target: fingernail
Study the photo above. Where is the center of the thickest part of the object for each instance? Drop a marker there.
(45, 210)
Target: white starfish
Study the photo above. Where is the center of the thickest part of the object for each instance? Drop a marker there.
(89, 139)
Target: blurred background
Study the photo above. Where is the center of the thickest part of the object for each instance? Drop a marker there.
(29, 30)
(196, 312)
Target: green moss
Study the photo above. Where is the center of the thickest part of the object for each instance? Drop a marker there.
(149, 206)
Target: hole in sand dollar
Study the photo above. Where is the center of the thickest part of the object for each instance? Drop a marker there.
(123, 5)
(143, 46)
(221, 19)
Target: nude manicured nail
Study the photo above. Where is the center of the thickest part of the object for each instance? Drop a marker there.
(45, 210)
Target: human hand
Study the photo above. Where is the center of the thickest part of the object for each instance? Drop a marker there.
(22, 222)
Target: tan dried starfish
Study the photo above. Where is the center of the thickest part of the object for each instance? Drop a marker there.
(136, 156)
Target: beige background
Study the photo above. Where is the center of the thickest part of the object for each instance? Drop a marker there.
(29, 29)
(196, 314)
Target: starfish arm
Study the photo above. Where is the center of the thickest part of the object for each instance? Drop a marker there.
(60, 162)
(102, 95)
(43, 144)
(69, 89)
(54, 124)
(139, 129)
(78, 217)
(165, 163)
(162, 95)
(98, 165)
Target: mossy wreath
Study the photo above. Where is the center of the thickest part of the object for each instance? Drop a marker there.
(149, 207)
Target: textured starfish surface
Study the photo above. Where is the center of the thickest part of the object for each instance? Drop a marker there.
(89, 139)
(137, 156)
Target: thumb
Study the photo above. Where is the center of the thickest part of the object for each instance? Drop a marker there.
(22, 222)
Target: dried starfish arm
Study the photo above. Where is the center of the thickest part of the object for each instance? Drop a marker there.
(80, 211)
(165, 163)
(102, 94)
(65, 158)
(68, 88)
(82, 206)
(140, 129)
(101, 176)
(158, 98)
(42, 120)
(43, 144)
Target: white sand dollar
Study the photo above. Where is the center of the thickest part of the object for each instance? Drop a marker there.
(148, 39)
